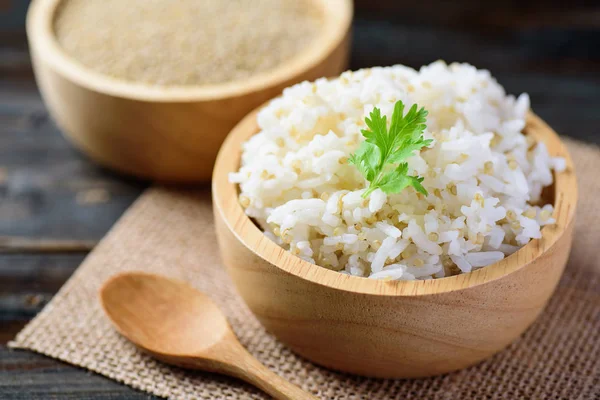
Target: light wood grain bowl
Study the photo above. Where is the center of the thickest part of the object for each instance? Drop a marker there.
(392, 329)
(167, 134)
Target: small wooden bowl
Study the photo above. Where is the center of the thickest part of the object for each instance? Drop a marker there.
(168, 134)
(391, 329)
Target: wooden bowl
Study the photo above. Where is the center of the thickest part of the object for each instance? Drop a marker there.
(391, 329)
(167, 134)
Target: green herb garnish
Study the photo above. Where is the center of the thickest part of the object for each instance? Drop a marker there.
(380, 158)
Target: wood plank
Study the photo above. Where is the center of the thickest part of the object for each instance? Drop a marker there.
(11, 244)
(47, 189)
(471, 14)
(36, 273)
(14, 58)
(9, 330)
(27, 283)
(379, 41)
(478, 15)
(29, 376)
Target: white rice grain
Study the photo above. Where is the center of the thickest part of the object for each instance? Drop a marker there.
(483, 176)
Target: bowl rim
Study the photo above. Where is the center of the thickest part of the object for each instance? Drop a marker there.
(40, 31)
(225, 202)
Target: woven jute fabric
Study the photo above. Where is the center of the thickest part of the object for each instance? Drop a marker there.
(171, 232)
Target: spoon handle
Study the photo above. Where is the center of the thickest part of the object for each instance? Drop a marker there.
(252, 371)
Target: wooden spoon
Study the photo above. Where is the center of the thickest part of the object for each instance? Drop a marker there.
(178, 325)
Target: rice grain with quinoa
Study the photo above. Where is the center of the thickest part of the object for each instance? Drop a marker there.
(483, 176)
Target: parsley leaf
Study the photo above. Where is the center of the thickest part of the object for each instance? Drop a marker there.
(381, 157)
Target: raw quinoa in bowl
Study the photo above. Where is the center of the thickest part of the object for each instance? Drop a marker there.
(480, 178)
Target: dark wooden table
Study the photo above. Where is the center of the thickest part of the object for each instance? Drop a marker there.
(55, 205)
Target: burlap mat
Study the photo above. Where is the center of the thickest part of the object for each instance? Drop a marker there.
(171, 232)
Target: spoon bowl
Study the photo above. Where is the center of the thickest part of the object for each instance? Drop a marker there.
(175, 323)
(126, 302)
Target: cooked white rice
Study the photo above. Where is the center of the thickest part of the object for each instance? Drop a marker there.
(483, 175)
